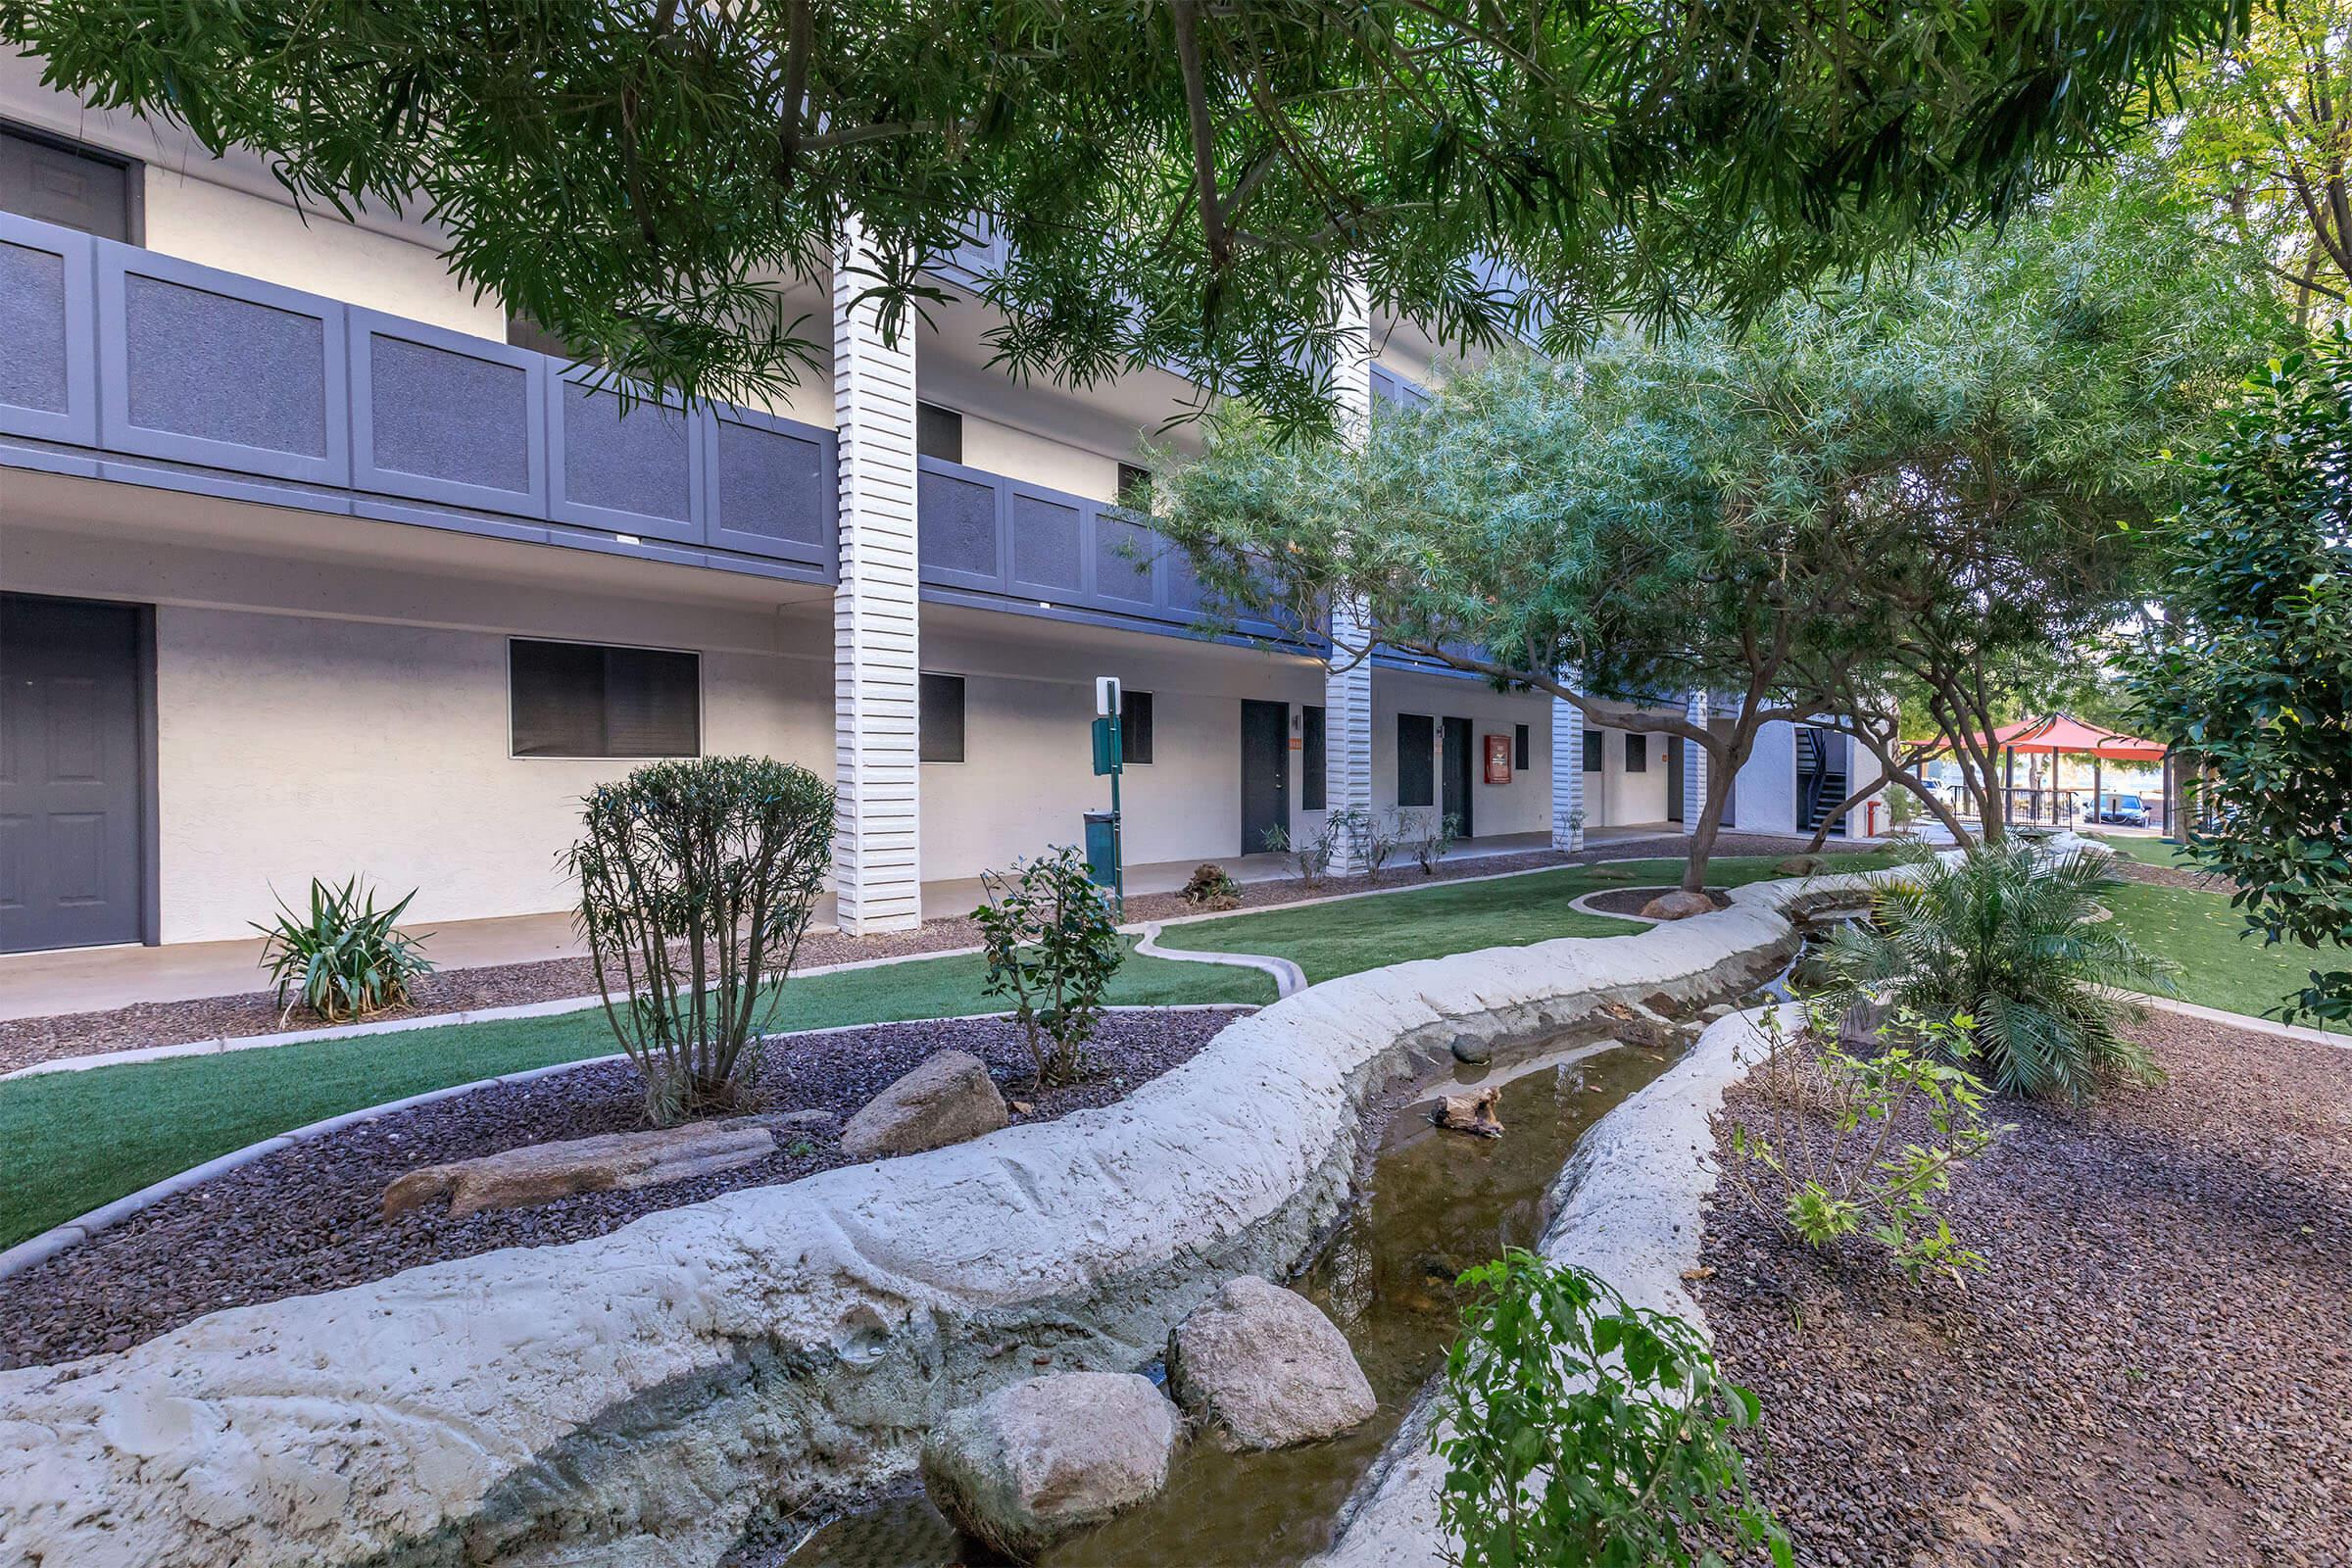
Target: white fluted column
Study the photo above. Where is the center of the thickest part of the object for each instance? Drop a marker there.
(1348, 691)
(876, 689)
(1694, 765)
(1567, 773)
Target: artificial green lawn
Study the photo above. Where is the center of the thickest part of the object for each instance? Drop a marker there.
(2200, 932)
(76, 1140)
(1329, 940)
(2146, 851)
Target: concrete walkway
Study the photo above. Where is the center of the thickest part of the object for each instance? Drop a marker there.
(37, 985)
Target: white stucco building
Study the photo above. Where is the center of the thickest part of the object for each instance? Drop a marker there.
(309, 565)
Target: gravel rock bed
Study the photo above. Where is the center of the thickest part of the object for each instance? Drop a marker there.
(308, 1218)
(25, 1040)
(2153, 1370)
(2167, 876)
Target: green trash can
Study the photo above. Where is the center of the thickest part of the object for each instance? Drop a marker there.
(1102, 848)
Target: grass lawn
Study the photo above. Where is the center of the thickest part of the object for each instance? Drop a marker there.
(78, 1140)
(2199, 931)
(2146, 851)
(1329, 940)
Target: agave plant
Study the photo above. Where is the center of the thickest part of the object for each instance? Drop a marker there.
(2020, 944)
(344, 958)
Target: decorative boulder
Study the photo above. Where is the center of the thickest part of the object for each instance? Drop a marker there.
(1799, 865)
(1680, 905)
(1470, 1113)
(947, 1100)
(539, 1173)
(1471, 1051)
(1267, 1367)
(1032, 1463)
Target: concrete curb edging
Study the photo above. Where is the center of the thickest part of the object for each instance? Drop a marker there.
(1630, 1206)
(646, 1389)
(1288, 978)
(55, 1240)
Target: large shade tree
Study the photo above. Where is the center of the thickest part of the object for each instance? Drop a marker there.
(1910, 487)
(1167, 182)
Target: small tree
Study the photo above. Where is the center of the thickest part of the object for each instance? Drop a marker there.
(1579, 1429)
(2250, 670)
(1052, 947)
(696, 880)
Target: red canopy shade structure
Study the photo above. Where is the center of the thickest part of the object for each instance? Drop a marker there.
(2061, 736)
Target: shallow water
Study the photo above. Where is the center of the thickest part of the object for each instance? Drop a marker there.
(1438, 1203)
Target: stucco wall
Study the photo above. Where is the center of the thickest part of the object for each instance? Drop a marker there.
(1524, 804)
(1621, 796)
(200, 222)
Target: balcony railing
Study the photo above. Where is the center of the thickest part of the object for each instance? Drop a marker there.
(121, 363)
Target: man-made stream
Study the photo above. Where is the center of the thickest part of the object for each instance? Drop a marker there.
(1438, 1203)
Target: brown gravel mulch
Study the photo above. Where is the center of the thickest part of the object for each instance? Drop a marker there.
(2167, 876)
(1632, 900)
(309, 1218)
(25, 1040)
(2153, 1370)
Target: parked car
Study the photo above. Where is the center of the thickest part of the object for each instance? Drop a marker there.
(2129, 810)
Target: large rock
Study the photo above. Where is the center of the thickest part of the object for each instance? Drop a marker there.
(1267, 1367)
(1799, 865)
(607, 1162)
(1034, 1462)
(1680, 905)
(947, 1100)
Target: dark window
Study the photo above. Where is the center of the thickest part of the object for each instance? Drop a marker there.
(1636, 753)
(1310, 760)
(942, 722)
(59, 182)
(938, 432)
(1135, 727)
(1519, 747)
(587, 700)
(1416, 784)
(523, 332)
(1135, 487)
(1592, 757)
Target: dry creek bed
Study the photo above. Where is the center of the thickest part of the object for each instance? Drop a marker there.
(2154, 1369)
(309, 1218)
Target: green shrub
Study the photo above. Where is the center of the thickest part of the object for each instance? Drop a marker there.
(697, 879)
(1310, 857)
(1581, 1430)
(1429, 836)
(1052, 949)
(2019, 942)
(343, 959)
(1857, 1181)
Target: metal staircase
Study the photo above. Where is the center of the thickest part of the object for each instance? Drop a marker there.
(1821, 764)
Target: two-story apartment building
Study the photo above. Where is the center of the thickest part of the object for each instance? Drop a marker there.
(312, 563)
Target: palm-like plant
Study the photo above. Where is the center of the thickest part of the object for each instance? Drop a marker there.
(2021, 945)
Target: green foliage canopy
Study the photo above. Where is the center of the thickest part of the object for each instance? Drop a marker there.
(1172, 182)
(2250, 671)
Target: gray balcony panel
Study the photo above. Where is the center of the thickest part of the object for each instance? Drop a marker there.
(1123, 555)
(633, 471)
(772, 488)
(225, 370)
(1046, 558)
(32, 325)
(958, 522)
(435, 413)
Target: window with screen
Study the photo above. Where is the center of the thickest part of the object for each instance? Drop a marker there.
(1520, 739)
(938, 432)
(590, 700)
(1135, 727)
(1594, 761)
(59, 182)
(1416, 781)
(1310, 760)
(1636, 753)
(942, 721)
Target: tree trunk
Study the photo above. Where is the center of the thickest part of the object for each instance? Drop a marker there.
(1723, 768)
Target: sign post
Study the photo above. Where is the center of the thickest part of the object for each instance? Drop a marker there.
(1105, 855)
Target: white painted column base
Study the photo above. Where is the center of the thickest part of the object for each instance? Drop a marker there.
(1567, 775)
(1694, 765)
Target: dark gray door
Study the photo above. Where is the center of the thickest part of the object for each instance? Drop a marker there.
(1458, 776)
(1673, 778)
(1266, 772)
(70, 791)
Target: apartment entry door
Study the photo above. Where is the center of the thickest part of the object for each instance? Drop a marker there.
(1456, 774)
(1266, 772)
(1675, 804)
(73, 791)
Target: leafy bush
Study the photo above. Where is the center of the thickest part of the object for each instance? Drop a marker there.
(1579, 1429)
(343, 959)
(1310, 857)
(697, 879)
(1211, 887)
(2019, 942)
(1856, 1182)
(1429, 835)
(1377, 844)
(1052, 947)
